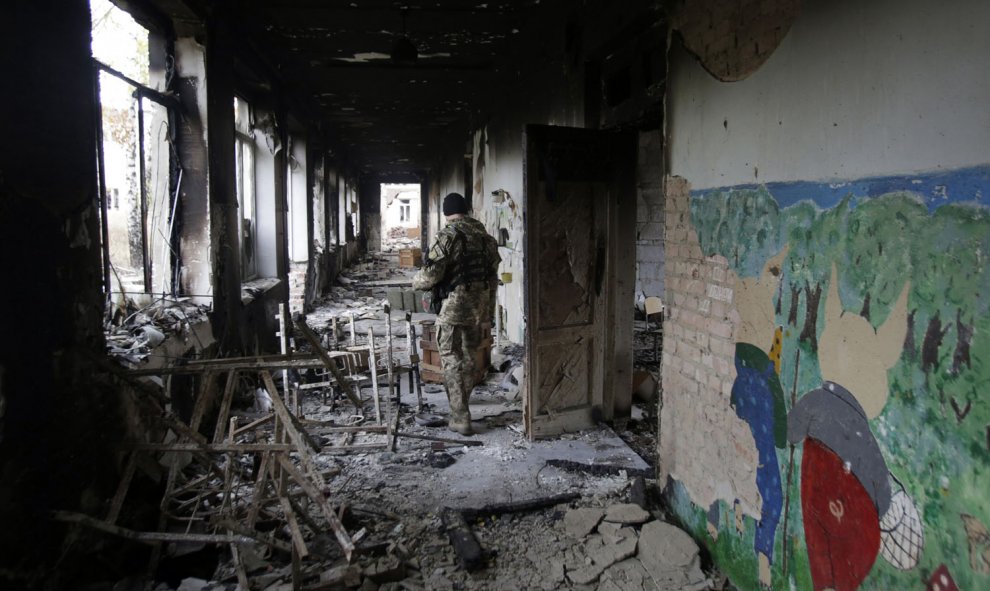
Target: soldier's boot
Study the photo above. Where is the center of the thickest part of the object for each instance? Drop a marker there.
(460, 414)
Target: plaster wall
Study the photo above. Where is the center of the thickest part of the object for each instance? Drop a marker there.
(825, 221)
(856, 89)
(266, 219)
(298, 232)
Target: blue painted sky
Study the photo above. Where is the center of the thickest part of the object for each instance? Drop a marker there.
(966, 185)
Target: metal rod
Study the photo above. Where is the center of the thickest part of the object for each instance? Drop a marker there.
(414, 377)
(373, 367)
(162, 99)
(102, 176)
(143, 195)
(171, 231)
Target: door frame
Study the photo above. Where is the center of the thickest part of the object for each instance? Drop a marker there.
(616, 299)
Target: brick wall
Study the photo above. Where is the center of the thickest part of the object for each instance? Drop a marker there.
(732, 38)
(649, 216)
(703, 444)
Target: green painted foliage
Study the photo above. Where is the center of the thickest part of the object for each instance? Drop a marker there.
(934, 431)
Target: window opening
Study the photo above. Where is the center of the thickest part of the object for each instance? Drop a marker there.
(400, 207)
(244, 158)
(134, 155)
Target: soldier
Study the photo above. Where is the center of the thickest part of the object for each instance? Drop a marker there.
(463, 263)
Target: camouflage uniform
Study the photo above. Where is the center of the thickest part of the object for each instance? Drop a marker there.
(463, 249)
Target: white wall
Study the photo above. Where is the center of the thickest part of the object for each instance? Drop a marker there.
(855, 89)
(266, 236)
(298, 235)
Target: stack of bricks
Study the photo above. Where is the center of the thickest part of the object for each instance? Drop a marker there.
(733, 38)
(703, 443)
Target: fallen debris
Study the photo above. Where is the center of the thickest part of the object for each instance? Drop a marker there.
(462, 539)
(598, 469)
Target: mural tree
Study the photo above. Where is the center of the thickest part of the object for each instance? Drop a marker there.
(742, 226)
(810, 260)
(876, 256)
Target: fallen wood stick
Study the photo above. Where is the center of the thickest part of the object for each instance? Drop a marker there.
(599, 469)
(298, 543)
(466, 442)
(316, 495)
(148, 537)
(519, 506)
(289, 427)
(233, 363)
(356, 447)
(214, 447)
(253, 425)
(256, 536)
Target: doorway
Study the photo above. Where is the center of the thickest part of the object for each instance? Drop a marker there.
(400, 216)
(581, 203)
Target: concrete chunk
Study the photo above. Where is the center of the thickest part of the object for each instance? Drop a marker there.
(626, 513)
(582, 521)
(670, 556)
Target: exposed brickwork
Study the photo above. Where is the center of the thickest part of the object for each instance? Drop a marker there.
(649, 216)
(733, 38)
(703, 443)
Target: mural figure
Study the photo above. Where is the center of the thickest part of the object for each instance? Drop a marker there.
(850, 509)
(758, 398)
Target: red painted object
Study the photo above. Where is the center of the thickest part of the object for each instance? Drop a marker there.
(941, 580)
(841, 527)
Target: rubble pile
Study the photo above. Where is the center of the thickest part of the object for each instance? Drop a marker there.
(341, 476)
(397, 238)
(132, 333)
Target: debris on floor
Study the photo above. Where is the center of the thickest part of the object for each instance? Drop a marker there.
(332, 467)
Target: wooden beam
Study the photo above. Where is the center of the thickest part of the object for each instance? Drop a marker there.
(149, 537)
(317, 497)
(330, 364)
(302, 446)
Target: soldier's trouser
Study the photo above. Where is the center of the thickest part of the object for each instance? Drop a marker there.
(458, 344)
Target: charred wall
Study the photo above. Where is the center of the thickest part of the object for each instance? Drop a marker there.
(51, 399)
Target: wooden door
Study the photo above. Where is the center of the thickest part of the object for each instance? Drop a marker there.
(576, 180)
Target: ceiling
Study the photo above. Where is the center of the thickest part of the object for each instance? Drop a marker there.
(390, 119)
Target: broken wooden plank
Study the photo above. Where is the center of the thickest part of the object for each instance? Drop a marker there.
(462, 539)
(465, 442)
(203, 400)
(147, 537)
(242, 579)
(290, 429)
(354, 447)
(214, 447)
(330, 364)
(253, 425)
(125, 483)
(316, 495)
(252, 534)
(298, 543)
(259, 489)
(225, 402)
(236, 363)
(519, 506)
(599, 469)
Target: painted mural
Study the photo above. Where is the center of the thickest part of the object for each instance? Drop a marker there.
(863, 372)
